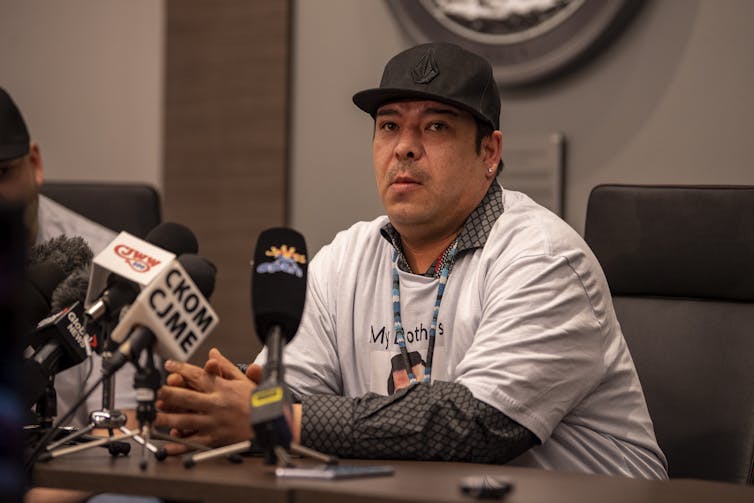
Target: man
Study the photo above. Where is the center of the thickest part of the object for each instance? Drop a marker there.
(21, 177)
(507, 308)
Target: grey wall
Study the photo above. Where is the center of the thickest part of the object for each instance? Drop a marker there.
(670, 101)
(88, 77)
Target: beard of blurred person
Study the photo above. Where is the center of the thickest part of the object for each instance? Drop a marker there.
(20, 164)
(20, 182)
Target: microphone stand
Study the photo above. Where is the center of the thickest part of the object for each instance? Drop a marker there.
(147, 382)
(105, 418)
(270, 410)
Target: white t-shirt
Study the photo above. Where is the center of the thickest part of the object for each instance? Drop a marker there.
(56, 220)
(526, 324)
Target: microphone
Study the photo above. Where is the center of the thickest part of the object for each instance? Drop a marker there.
(277, 299)
(71, 289)
(67, 344)
(59, 341)
(172, 311)
(48, 264)
(119, 291)
(41, 280)
(278, 287)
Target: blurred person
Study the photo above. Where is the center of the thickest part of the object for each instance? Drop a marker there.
(21, 178)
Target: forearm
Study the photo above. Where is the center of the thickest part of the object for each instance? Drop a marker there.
(442, 421)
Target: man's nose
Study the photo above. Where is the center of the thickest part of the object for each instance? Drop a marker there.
(409, 146)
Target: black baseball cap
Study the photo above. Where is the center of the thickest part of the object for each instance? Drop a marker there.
(440, 72)
(14, 137)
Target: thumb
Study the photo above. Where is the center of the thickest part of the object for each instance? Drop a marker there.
(255, 373)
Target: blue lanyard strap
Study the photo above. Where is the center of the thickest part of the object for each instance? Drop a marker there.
(398, 325)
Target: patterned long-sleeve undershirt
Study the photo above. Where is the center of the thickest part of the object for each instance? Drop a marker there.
(439, 421)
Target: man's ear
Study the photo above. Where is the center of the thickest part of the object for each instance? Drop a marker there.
(492, 147)
(35, 156)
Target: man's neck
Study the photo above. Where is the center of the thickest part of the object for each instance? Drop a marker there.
(422, 253)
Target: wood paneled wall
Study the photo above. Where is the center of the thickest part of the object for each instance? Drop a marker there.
(226, 126)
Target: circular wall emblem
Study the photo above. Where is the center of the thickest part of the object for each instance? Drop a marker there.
(525, 40)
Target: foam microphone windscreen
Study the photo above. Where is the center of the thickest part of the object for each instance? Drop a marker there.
(173, 237)
(278, 285)
(71, 289)
(69, 253)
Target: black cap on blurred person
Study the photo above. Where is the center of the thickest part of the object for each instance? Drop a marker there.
(14, 137)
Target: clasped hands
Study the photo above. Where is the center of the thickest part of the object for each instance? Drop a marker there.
(209, 405)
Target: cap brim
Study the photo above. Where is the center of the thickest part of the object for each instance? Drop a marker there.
(370, 100)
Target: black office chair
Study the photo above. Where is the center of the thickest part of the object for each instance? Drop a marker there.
(680, 264)
(130, 207)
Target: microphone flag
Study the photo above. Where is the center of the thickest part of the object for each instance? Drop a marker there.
(174, 309)
(129, 257)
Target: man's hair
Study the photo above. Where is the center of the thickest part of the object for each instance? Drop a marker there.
(483, 130)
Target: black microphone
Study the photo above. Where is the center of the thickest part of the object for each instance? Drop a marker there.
(66, 346)
(71, 289)
(119, 292)
(36, 293)
(278, 293)
(59, 341)
(48, 264)
(278, 286)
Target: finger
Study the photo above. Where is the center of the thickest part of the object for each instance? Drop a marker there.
(172, 398)
(175, 432)
(166, 407)
(173, 449)
(255, 373)
(176, 380)
(184, 422)
(222, 366)
(194, 377)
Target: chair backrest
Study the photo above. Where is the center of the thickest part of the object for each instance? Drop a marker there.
(134, 208)
(680, 264)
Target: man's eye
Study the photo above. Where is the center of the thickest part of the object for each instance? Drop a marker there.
(4, 170)
(388, 126)
(437, 126)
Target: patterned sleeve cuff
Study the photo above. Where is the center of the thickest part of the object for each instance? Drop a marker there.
(322, 415)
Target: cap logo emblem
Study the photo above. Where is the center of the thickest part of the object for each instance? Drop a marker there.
(425, 69)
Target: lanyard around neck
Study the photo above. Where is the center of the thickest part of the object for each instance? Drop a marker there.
(398, 326)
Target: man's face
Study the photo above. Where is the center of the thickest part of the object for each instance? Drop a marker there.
(20, 180)
(430, 176)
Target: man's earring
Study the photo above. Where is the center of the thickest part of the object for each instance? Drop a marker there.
(491, 169)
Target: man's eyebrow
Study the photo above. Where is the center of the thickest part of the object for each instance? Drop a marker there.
(386, 111)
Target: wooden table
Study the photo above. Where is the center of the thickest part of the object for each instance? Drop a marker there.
(219, 480)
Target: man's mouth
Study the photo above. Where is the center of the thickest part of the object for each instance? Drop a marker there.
(404, 180)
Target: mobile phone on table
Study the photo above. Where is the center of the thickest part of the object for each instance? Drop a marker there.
(330, 472)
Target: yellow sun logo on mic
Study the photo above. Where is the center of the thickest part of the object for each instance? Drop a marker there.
(286, 260)
(285, 252)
